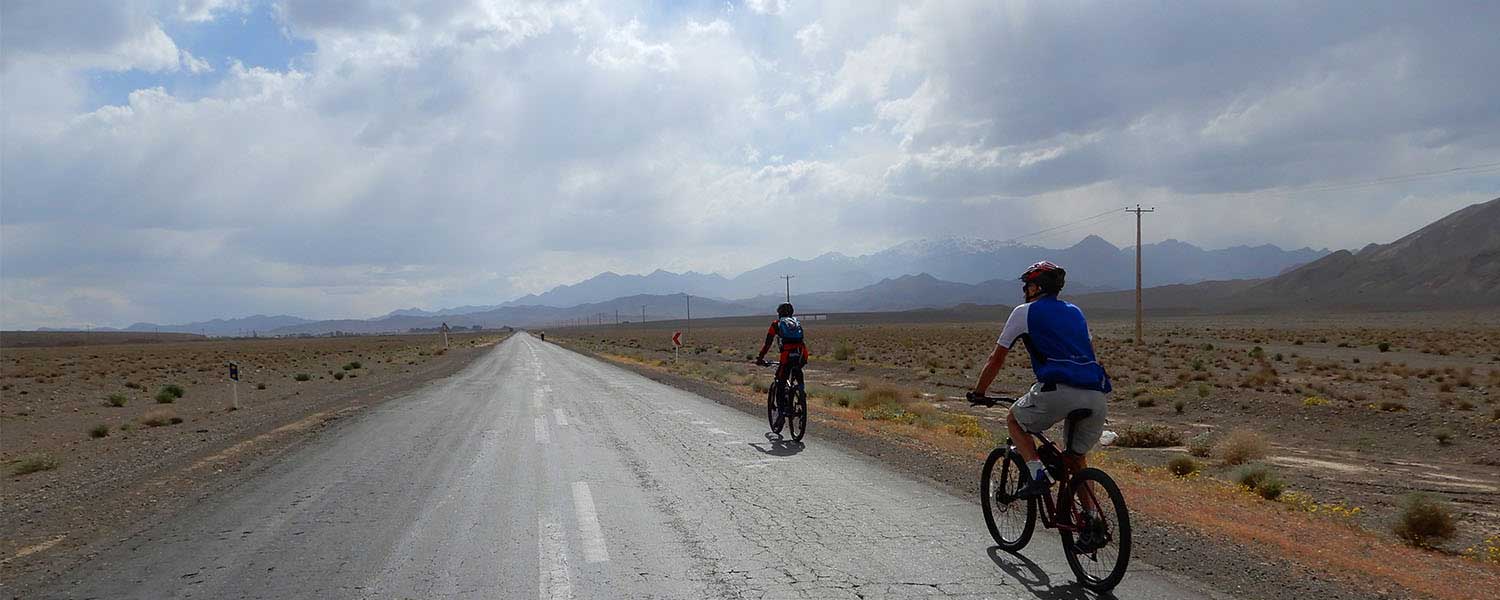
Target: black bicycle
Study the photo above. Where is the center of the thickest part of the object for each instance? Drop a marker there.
(1088, 511)
(786, 401)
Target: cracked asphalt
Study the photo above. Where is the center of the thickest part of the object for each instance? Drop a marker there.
(540, 473)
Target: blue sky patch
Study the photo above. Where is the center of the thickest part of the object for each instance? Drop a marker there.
(254, 37)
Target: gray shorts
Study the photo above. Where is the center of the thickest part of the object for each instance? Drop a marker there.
(1040, 409)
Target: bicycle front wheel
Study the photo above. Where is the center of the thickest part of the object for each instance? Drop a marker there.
(1100, 549)
(1011, 520)
(773, 412)
(797, 421)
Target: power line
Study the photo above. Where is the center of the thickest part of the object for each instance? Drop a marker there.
(1478, 169)
(1112, 211)
(1474, 169)
(1089, 224)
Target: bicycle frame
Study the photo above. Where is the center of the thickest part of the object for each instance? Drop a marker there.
(792, 373)
(1047, 505)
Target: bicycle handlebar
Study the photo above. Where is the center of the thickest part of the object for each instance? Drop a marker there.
(989, 400)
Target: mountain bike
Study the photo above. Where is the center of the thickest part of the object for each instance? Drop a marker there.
(1088, 510)
(786, 401)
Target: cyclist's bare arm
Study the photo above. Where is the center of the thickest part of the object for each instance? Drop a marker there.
(770, 337)
(991, 369)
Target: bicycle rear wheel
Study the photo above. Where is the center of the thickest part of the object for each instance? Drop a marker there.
(774, 417)
(1100, 550)
(797, 421)
(1011, 520)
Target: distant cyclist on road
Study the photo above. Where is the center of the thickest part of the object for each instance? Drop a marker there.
(789, 330)
(1069, 376)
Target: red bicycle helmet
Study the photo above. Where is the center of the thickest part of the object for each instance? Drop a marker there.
(1047, 275)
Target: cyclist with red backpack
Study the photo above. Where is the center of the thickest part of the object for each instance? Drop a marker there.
(789, 330)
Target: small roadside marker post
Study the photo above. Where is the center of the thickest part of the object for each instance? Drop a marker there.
(445, 336)
(676, 343)
(234, 384)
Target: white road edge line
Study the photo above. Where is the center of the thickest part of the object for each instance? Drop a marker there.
(588, 524)
(562, 418)
(553, 582)
(541, 430)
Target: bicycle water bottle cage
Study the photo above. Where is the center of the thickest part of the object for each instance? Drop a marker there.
(1073, 418)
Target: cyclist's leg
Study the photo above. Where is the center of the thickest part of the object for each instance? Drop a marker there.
(1031, 413)
(1075, 463)
(1025, 444)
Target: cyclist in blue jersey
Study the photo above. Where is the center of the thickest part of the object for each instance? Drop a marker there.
(1069, 376)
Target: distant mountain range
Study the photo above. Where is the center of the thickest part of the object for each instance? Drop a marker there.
(1453, 262)
(1092, 262)
(221, 327)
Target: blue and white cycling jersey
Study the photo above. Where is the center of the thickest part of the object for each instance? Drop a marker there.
(1057, 337)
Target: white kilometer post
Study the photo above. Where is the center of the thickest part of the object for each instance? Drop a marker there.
(234, 384)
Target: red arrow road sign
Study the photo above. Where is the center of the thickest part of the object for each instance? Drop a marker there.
(677, 338)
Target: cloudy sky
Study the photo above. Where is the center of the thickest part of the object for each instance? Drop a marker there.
(180, 160)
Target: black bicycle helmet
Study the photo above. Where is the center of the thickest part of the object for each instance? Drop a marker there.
(1047, 276)
(785, 310)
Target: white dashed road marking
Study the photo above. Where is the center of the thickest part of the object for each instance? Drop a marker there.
(553, 582)
(588, 524)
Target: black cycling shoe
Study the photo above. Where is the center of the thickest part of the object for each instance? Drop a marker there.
(1034, 489)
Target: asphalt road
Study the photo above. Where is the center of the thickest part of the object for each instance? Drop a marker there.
(539, 473)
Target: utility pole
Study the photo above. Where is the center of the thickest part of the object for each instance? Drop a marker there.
(689, 298)
(1138, 211)
(643, 313)
(617, 316)
(788, 279)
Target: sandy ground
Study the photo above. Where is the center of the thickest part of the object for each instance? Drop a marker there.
(101, 488)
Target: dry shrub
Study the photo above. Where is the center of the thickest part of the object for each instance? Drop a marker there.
(1182, 466)
(967, 426)
(1424, 521)
(1260, 479)
(1148, 436)
(876, 394)
(843, 351)
(32, 463)
(912, 413)
(159, 417)
(1201, 445)
(1241, 446)
(1264, 376)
